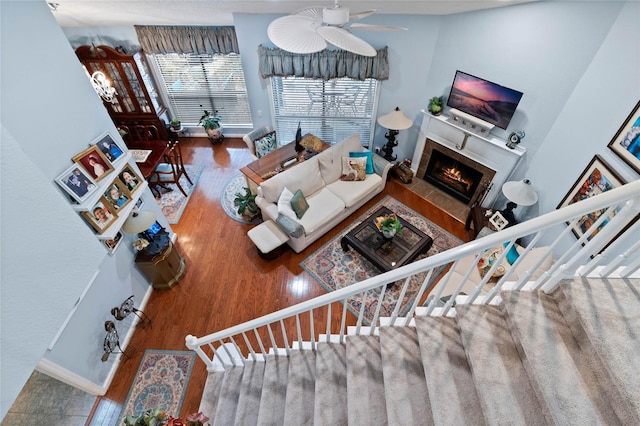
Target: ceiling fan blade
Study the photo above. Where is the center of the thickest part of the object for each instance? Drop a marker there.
(311, 12)
(359, 15)
(296, 34)
(370, 27)
(345, 40)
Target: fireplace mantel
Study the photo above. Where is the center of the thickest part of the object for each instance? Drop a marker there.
(489, 151)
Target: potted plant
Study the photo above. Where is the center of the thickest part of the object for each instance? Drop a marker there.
(435, 105)
(388, 225)
(175, 124)
(153, 417)
(246, 204)
(212, 124)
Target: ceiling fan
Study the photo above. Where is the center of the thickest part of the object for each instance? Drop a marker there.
(312, 29)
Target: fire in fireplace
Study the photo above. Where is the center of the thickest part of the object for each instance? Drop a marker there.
(452, 176)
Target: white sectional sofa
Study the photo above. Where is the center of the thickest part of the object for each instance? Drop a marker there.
(330, 199)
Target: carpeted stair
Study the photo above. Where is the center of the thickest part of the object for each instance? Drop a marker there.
(569, 358)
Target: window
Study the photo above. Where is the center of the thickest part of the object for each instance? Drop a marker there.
(214, 81)
(331, 110)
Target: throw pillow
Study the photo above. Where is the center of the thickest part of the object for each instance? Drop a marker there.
(512, 254)
(487, 261)
(354, 169)
(265, 144)
(290, 226)
(366, 154)
(284, 204)
(299, 204)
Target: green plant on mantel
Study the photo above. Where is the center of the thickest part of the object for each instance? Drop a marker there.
(435, 105)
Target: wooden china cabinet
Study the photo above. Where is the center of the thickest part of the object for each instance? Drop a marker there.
(133, 104)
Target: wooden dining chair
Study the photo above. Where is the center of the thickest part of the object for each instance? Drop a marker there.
(170, 171)
(145, 133)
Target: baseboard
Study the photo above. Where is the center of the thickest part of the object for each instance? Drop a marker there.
(52, 369)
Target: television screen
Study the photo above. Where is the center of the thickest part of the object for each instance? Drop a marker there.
(483, 99)
(154, 229)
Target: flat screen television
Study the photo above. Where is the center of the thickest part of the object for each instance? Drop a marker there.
(483, 99)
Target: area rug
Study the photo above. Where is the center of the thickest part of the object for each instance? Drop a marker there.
(228, 194)
(173, 201)
(334, 268)
(160, 382)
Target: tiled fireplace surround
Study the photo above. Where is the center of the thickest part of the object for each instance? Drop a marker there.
(489, 155)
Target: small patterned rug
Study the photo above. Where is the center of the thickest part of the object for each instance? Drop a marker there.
(173, 202)
(228, 194)
(160, 382)
(334, 268)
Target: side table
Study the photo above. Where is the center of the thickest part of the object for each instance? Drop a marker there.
(164, 269)
(176, 134)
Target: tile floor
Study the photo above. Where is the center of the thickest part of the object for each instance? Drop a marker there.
(47, 401)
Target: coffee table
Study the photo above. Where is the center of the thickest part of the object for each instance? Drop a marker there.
(386, 254)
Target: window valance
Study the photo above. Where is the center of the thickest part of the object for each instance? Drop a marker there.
(325, 65)
(180, 39)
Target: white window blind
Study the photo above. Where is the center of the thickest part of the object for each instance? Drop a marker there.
(194, 83)
(331, 110)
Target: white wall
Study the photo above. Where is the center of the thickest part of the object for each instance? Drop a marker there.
(594, 111)
(49, 254)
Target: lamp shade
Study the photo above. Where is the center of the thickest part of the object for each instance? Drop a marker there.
(138, 222)
(520, 192)
(395, 120)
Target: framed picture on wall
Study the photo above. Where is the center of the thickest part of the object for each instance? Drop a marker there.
(596, 178)
(77, 182)
(109, 147)
(113, 244)
(130, 179)
(94, 162)
(117, 194)
(626, 143)
(101, 215)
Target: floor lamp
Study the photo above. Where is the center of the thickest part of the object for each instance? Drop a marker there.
(394, 121)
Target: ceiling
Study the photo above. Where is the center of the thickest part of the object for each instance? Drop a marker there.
(103, 13)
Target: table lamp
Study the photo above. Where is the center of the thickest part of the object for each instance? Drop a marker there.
(394, 121)
(139, 222)
(518, 192)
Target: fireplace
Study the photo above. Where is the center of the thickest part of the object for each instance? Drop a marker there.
(454, 173)
(452, 176)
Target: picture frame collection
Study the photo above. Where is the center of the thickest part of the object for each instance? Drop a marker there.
(100, 167)
(598, 176)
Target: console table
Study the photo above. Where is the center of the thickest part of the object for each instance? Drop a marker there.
(258, 171)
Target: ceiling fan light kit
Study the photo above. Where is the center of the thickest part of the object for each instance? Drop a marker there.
(311, 30)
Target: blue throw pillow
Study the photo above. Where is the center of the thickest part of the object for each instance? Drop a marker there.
(512, 254)
(369, 170)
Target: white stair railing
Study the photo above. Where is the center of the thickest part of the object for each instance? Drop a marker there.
(585, 256)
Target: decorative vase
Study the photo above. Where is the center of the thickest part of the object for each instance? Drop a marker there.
(214, 133)
(389, 233)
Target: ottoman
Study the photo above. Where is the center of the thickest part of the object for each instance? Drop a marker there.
(268, 239)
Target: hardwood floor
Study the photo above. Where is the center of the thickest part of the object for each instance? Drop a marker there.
(226, 282)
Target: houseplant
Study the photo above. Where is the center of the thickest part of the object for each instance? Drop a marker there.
(246, 204)
(389, 225)
(212, 124)
(435, 105)
(175, 124)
